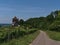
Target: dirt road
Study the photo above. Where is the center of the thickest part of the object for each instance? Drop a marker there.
(43, 39)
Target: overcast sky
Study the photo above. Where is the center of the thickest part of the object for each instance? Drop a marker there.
(26, 9)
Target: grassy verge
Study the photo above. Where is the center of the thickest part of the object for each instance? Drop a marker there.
(54, 35)
(25, 40)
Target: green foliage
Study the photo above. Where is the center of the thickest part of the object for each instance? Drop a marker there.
(6, 34)
(41, 23)
(54, 35)
(25, 40)
(35, 22)
(50, 18)
(51, 22)
(55, 26)
(21, 22)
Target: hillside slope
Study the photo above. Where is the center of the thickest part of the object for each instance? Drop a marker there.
(55, 26)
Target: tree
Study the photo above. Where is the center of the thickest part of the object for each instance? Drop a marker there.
(21, 22)
(55, 26)
(50, 18)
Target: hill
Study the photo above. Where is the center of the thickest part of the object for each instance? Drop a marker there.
(55, 26)
(50, 22)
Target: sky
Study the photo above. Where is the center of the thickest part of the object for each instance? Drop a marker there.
(25, 9)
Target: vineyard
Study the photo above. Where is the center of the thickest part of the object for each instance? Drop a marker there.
(9, 33)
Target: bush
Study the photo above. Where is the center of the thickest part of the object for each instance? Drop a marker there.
(55, 26)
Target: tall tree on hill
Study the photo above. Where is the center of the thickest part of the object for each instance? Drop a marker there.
(55, 26)
(50, 18)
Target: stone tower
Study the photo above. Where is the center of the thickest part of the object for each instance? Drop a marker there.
(15, 21)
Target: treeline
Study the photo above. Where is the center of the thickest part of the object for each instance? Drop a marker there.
(50, 22)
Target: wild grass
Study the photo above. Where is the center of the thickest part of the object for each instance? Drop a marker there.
(54, 35)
